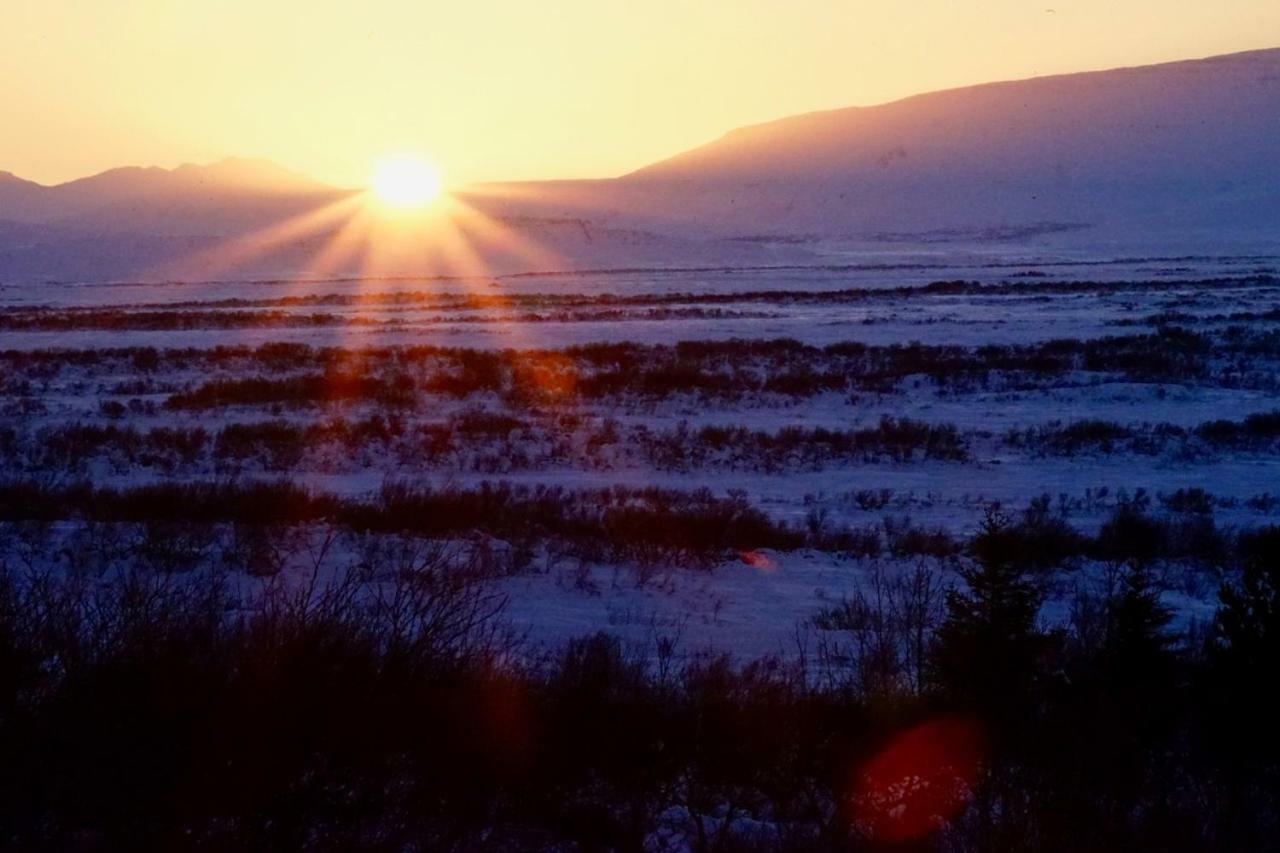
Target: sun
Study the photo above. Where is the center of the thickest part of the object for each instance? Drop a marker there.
(404, 180)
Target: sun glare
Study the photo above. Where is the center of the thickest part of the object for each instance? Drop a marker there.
(405, 181)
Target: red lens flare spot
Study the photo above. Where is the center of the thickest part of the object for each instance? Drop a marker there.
(919, 782)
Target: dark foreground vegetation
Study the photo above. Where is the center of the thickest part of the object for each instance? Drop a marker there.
(160, 710)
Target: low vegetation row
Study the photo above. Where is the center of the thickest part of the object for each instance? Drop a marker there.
(298, 374)
(645, 526)
(479, 440)
(475, 440)
(122, 320)
(1164, 350)
(508, 301)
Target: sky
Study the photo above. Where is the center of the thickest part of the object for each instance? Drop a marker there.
(522, 89)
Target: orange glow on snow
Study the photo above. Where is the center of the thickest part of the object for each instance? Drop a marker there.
(758, 560)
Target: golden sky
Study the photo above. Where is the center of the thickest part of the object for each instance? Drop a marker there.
(515, 89)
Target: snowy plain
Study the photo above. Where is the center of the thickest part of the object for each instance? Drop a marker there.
(751, 603)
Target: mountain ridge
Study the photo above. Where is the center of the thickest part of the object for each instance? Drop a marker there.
(1176, 143)
(235, 167)
(128, 196)
(1270, 57)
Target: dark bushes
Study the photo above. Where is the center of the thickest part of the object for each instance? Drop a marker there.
(897, 440)
(1254, 430)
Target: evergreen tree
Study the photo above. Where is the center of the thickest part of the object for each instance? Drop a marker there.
(1137, 649)
(988, 646)
(1246, 629)
(1244, 655)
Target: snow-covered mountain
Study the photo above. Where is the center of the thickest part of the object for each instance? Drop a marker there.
(1172, 157)
(1178, 147)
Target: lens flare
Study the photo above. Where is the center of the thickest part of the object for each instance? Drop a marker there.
(919, 781)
